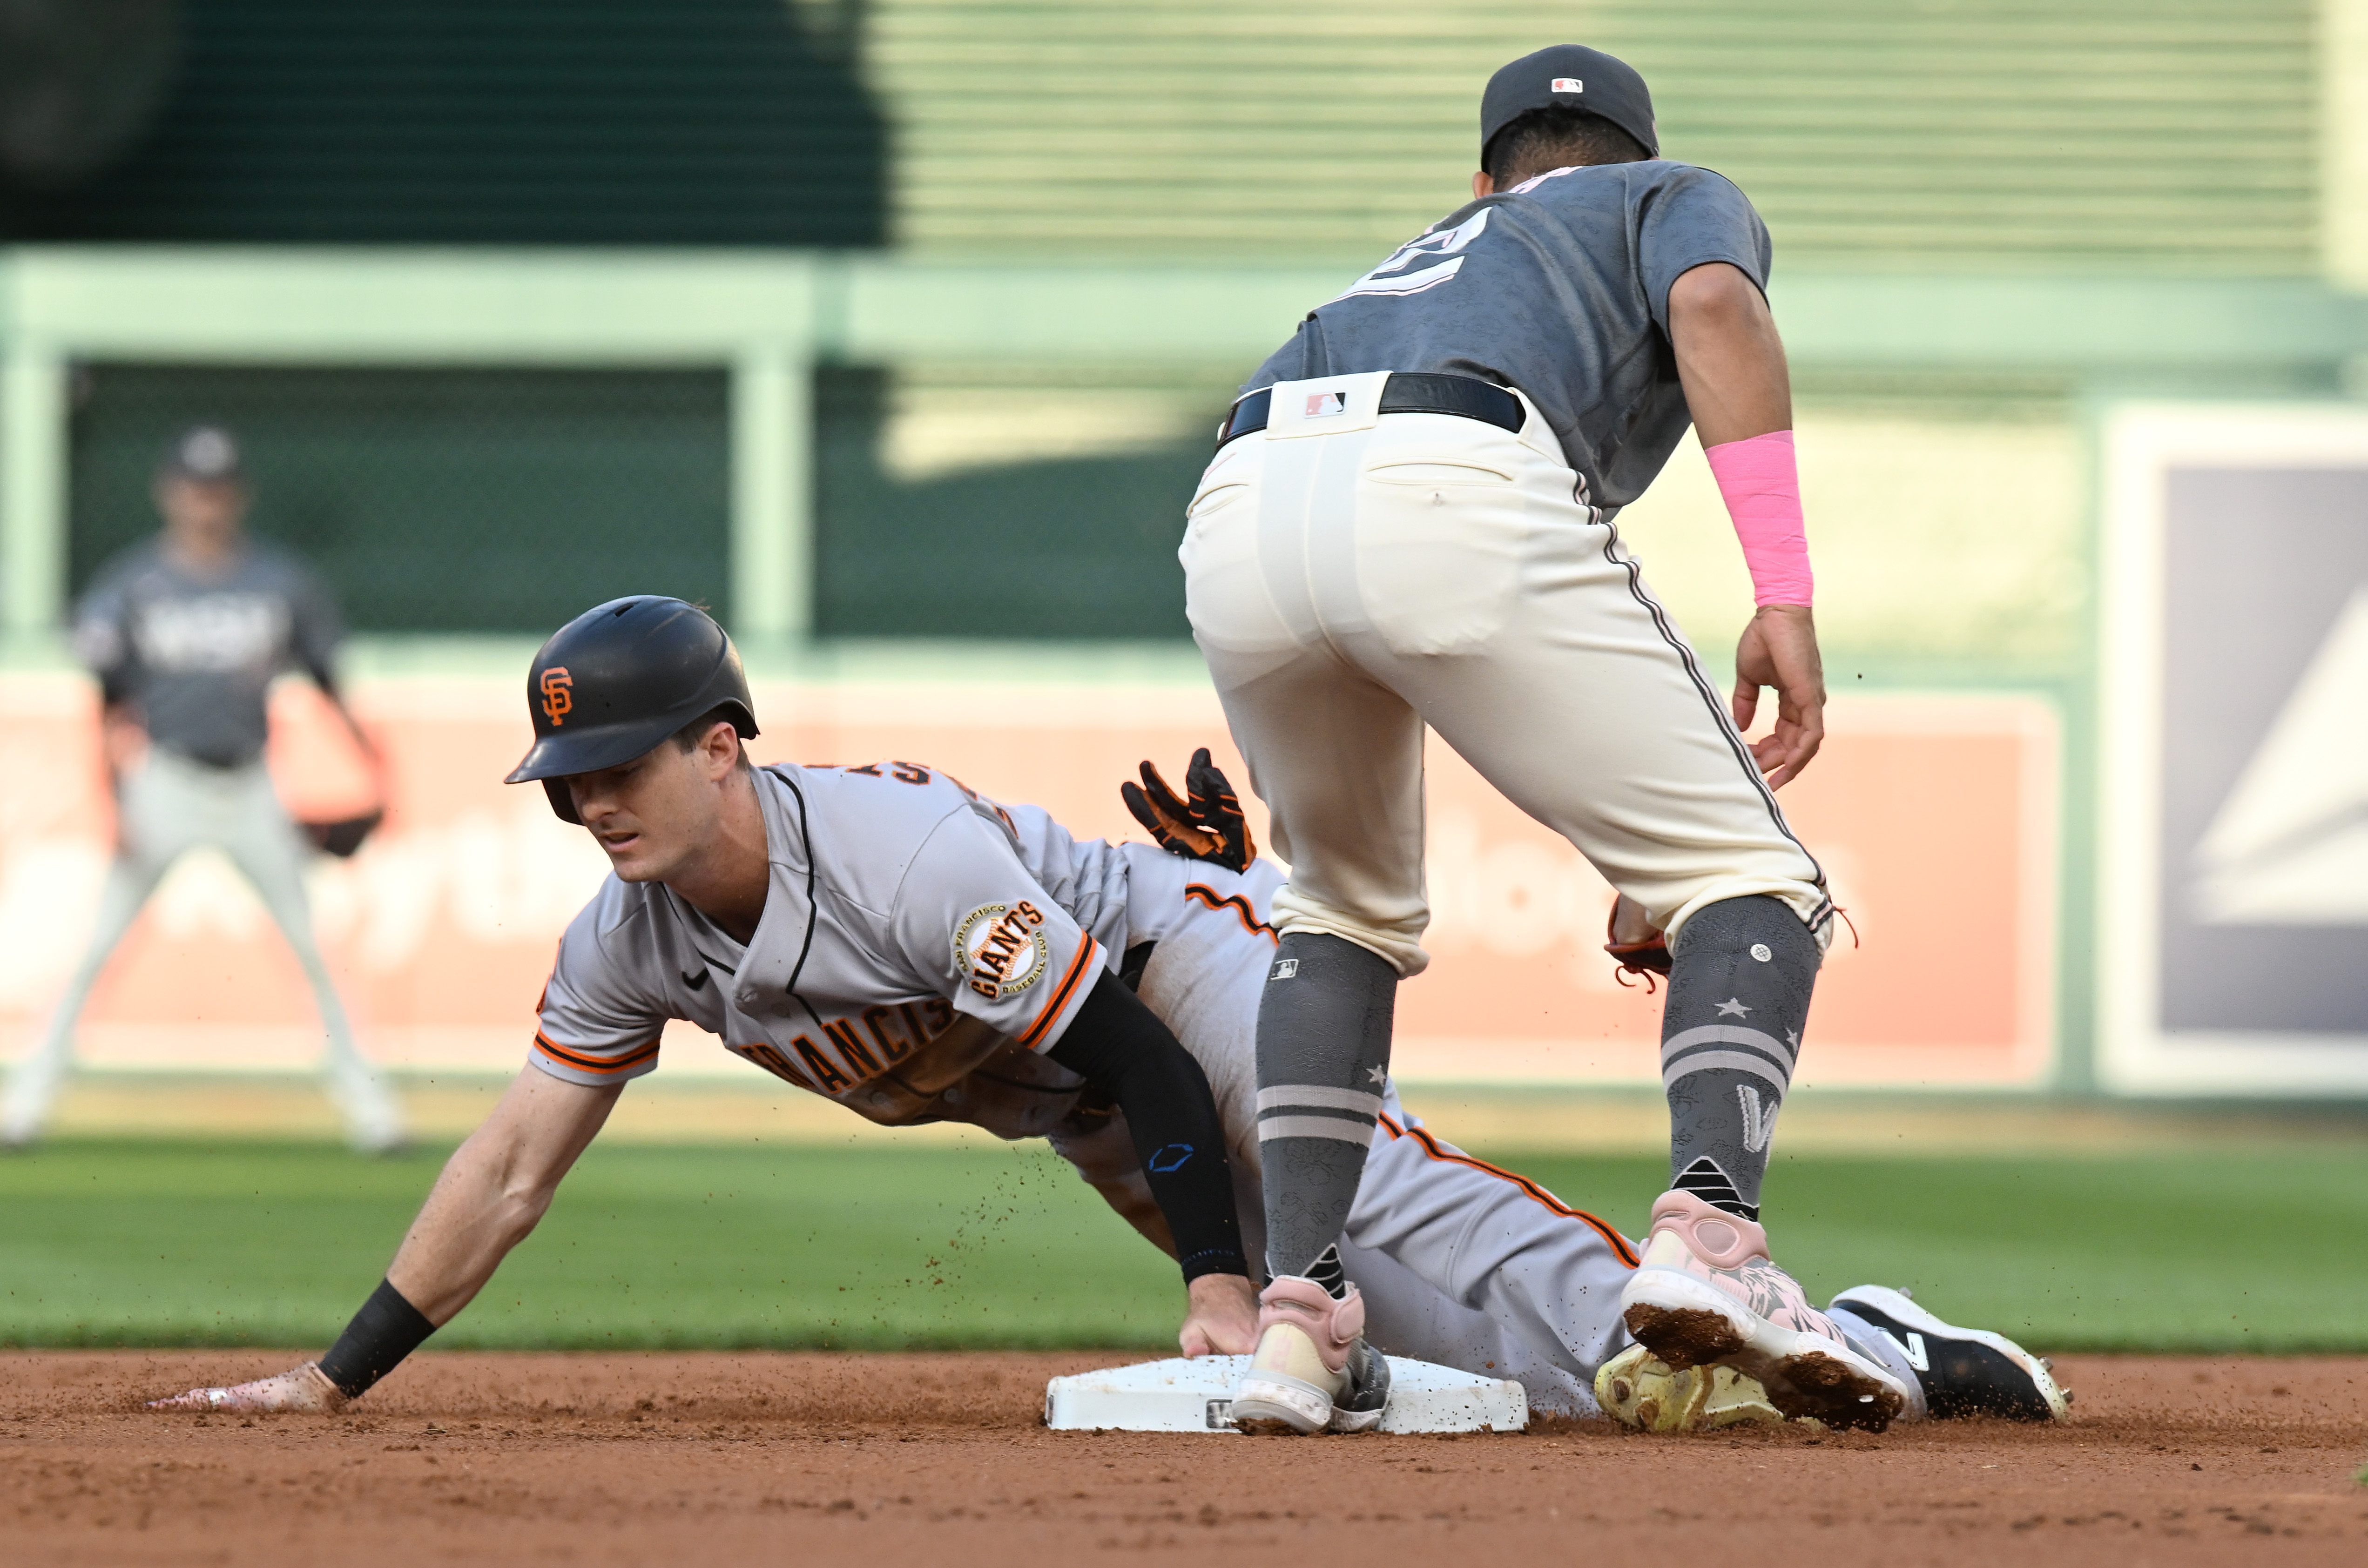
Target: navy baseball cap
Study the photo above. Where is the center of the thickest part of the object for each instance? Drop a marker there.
(1574, 76)
(205, 452)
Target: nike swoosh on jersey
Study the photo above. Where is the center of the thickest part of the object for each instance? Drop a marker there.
(695, 981)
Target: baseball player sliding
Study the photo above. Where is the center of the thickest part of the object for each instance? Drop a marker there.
(884, 936)
(1409, 525)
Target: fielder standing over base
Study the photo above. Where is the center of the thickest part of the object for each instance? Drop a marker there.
(1409, 523)
(185, 634)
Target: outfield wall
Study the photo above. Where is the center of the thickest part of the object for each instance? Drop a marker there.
(1935, 813)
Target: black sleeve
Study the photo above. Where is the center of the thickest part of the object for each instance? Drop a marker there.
(387, 1329)
(314, 628)
(1120, 1047)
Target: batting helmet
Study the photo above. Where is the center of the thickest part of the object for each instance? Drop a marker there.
(620, 679)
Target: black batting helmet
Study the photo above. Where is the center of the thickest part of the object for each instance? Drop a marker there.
(618, 680)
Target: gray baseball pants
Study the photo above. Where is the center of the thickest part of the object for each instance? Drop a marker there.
(167, 807)
(1459, 1262)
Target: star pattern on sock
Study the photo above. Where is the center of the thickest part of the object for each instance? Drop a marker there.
(1377, 1073)
(1732, 1007)
(1793, 1039)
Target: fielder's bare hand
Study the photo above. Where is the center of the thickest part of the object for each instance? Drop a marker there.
(1222, 1319)
(1780, 648)
(304, 1388)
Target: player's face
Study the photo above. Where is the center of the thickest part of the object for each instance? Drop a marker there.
(205, 512)
(657, 814)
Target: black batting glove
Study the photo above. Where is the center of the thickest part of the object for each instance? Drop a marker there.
(1209, 826)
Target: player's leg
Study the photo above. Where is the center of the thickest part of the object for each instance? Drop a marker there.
(154, 821)
(1954, 1371)
(1407, 1315)
(1561, 681)
(1548, 667)
(1337, 760)
(266, 845)
(34, 1082)
(1949, 1373)
(1492, 1243)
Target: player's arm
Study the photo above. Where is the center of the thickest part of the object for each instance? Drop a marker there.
(1731, 364)
(492, 1192)
(1119, 1046)
(102, 642)
(1220, 1318)
(314, 633)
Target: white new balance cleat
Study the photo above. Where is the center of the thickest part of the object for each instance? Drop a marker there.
(1965, 1371)
(1706, 1295)
(1313, 1370)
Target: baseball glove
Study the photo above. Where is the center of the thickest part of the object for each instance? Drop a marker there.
(1209, 826)
(1634, 944)
(343, 838)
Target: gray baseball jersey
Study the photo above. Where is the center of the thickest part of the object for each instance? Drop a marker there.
(197, 654)
(899, 898)
(1559, 286)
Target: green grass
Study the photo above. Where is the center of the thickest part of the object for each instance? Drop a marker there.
(162, 1243)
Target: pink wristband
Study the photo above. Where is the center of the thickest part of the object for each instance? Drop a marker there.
(1762, 488)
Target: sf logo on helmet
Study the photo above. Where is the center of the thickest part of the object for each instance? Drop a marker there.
(558, 695)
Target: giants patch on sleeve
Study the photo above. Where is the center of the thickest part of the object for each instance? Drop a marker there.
(1000, 948)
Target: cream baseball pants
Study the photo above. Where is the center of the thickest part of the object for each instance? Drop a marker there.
(1353, 577)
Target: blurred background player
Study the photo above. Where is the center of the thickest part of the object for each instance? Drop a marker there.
(185, 633)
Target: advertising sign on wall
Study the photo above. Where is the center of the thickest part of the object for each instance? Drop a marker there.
(2233, 903)
(1934, 814)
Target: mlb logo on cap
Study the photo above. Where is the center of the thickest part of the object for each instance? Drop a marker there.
(1323, 405)
(1568, 85)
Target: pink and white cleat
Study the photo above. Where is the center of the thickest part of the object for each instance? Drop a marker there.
(1706, 1295)
(1313, 1370)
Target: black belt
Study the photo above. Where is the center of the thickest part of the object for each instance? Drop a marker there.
(1406, 392)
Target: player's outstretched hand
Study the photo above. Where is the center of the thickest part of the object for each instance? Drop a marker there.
(1222, 1319)
(1780, 649)
(1210, 826)
(304, 1388)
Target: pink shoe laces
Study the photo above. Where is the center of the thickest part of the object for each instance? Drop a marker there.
(1731, 1253)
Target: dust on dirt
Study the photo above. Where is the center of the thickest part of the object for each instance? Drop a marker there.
(939, 1459)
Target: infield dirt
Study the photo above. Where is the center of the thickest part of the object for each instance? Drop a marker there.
(721, 1459)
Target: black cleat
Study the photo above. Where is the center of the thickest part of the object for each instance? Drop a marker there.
(1965, 1371)
(1359, 1408)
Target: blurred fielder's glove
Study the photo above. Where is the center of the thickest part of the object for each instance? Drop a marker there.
(1208, 827)
(1633, 942)
(343, 838)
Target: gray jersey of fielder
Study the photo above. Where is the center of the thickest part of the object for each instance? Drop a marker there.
(197, 655)
(899, 898)
(1556, 287)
